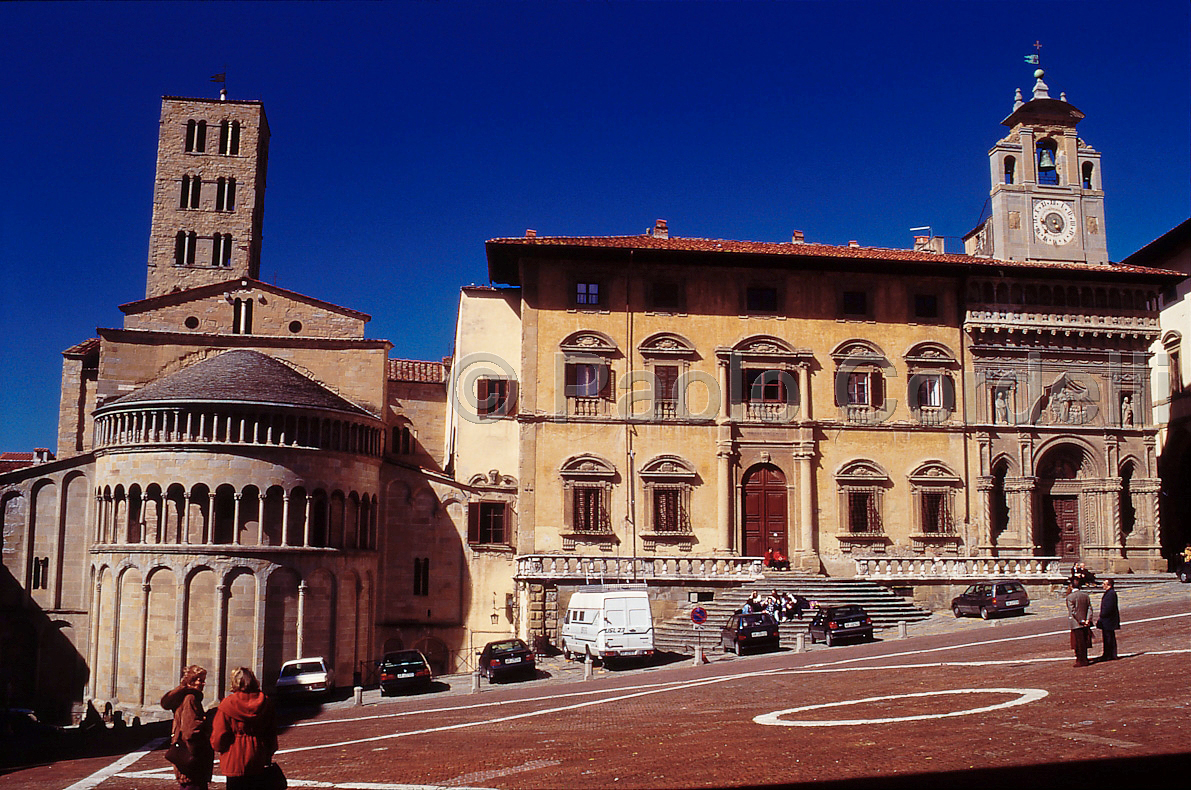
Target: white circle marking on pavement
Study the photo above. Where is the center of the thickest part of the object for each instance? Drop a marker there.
(775, 719)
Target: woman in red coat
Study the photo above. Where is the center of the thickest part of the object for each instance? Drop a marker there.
(191, 727)
(244, 732)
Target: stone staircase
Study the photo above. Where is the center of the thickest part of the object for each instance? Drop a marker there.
(678, 635)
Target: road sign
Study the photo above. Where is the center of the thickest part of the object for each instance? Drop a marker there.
(698, 615)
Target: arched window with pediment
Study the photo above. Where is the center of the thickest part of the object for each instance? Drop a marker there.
(668, 481)
(590, 381)
(667, 359)
(862, 485)
(930, 388)
(860, 372)
(933, 486)
(587, 482)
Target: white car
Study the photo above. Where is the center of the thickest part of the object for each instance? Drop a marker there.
(305, 677)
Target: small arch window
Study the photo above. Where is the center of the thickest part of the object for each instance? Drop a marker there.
(1087, 171)
(191, 192)
(225, 194)
(229, 138)
(221, 250)
(184, 247)
(1047, 161)
(196, 136)
(1010, 170)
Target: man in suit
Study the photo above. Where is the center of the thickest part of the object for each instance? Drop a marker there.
(1079, 620)
(1109, 622)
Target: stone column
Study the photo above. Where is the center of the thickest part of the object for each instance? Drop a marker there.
(144, 640)
(93, 641)
(806, 514)
(723, 457)
(186, 518)
(260, 518)
(306, 526)
(985, 484)
(236, 518)
(220, 631)
(209, 528)
(302, 589)
(284, 518)
(1019, 535)
(804, 393)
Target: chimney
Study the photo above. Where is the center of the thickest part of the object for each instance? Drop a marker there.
(41, 455)
(853, 243)
(530, 233)
(932, 244)
(798, 238)
(659, 230)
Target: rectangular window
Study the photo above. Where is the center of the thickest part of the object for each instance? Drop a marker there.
(665, 395)
(765, 386)
(859, 392)
(588, 380)
(486, 523)
(926, 306)
(930, 392)
(1175, 372)
(761, 299)
(588, 503)
(934, 512)
(665, 296)
(862, 512)
(421, 576)
(855, 303)
(587, 294)
(667, 510)
(492, 397)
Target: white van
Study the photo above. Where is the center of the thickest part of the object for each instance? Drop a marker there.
(607, 622)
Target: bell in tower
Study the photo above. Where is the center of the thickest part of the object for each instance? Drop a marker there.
(1046, 200)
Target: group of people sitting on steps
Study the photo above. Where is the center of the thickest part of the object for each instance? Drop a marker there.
(782, 606)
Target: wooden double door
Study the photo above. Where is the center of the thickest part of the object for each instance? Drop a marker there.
(1062, 526)
(765, 508)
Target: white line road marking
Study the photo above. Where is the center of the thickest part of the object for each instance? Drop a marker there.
(111, 770)
(1079, 736)
(775, 719)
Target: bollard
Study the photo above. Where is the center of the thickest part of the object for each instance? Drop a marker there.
(698, 655)
(800, 644)
(359, 690)
(475, 682)
(587, 662)
(901, 629)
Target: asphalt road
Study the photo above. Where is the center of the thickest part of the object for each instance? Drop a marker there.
(972, 704)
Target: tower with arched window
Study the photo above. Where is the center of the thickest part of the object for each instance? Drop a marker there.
(1047, 198)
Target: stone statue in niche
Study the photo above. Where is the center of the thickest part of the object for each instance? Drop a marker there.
(1002, 408)
(1127, 410)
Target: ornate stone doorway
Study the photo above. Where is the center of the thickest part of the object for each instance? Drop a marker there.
(764, 511)
(1059, 489)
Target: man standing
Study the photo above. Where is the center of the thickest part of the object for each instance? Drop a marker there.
(1109, 622)
(1079, 620)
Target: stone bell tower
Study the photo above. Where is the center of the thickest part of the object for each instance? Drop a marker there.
(1047, 199)
(209, 196)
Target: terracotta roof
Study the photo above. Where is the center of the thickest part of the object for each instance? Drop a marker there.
(82, 349)
(416, 370)
(18, 460)
(240, 376)
(801, 250)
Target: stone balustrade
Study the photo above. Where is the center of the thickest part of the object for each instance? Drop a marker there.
(956, 568)
(573, 567)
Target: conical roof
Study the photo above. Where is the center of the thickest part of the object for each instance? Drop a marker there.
(240, 376)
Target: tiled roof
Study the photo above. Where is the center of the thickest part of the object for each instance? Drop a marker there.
(240, 376)
(11, 461)
(82, 349)
(417, 370)
(803, 250)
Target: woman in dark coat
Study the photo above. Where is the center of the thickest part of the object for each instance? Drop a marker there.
(244, 732)
(191, 727)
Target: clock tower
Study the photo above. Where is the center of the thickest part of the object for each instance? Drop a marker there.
(1047, 200)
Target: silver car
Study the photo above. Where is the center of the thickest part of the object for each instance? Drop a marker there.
(305, 677)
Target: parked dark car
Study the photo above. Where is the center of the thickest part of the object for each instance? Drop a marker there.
(991, 598)
(404, 670)
(832, 624)
(750, 632)
(305, 677)
(505, 658)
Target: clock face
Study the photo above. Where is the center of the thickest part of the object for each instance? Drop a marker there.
(1054, 222)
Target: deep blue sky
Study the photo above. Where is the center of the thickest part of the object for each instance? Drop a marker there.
(407, 134)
